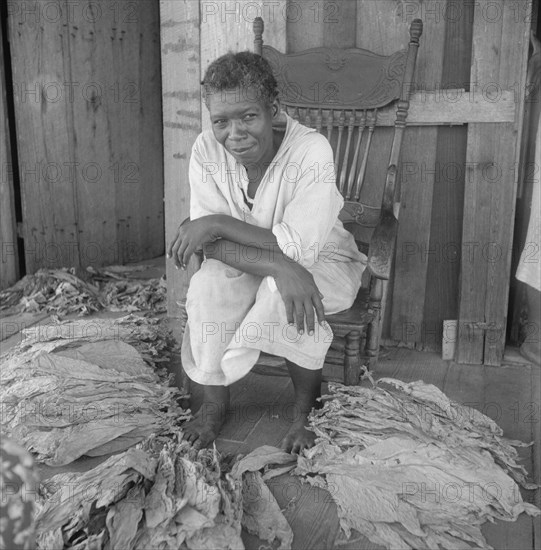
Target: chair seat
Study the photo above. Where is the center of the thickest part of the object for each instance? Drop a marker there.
(357, 317)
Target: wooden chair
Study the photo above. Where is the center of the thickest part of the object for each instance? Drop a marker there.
(346, 94)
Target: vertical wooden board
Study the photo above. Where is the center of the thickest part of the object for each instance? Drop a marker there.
(497, 253)
(513, 68)
(139, 193)
(306, 27)
(458, 45)
(44, 129)
(228, 26)
(117, 124)
(140, 189)
(339, 24)
(491, 185)
(96, 129)
(384, 27)
(441, 298)
(9, 261)
(411, 261)
(442, 280)
(480, 157)
(125, 75)
(181, 76)
(475, 234)
(150, 170)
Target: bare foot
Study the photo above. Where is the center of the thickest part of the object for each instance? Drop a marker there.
(205, 426)
(307, 385)
(207, 422)
(298, 437)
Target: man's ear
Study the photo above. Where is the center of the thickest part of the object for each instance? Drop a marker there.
(276, 109)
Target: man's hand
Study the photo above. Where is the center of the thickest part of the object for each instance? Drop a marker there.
(191, 236)
(301, 296)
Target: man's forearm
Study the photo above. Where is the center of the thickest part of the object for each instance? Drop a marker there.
(268, 260)
(237, 231)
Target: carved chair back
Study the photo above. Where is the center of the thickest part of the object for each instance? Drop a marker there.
(346, 94)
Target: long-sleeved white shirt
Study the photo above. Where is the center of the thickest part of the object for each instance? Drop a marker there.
(297, 198)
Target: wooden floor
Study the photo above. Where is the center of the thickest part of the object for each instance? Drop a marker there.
(510, 395)
(262, 404)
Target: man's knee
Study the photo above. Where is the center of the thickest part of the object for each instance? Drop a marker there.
(215, 281)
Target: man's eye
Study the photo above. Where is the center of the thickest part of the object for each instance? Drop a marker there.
(220, 122)
(249, 116)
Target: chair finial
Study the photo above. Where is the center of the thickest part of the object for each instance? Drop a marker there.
(258, 27)
(416, 30)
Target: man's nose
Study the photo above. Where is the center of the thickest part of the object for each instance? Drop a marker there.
(237, 130)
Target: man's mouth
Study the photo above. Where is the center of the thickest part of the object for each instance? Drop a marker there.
(240, 150)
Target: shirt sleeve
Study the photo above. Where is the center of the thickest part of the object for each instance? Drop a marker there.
(205, 195)
(313, 211)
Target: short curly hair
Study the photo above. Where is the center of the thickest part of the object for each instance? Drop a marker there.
(241, 70)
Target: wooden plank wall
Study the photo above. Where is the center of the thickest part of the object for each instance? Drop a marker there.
(424, 289)
(9, 261)
(491, 184)
(87, 92)
(227, 26)
(181, 77)
(429, 283)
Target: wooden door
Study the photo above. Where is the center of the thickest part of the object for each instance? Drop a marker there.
(87, 96)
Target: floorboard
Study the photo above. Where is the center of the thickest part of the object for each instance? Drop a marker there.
(508, 394)
(262, 409)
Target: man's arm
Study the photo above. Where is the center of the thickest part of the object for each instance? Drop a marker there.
(295, 283)
(254, 250)
(193, 234)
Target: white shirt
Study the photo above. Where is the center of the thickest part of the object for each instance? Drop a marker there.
(297, 197)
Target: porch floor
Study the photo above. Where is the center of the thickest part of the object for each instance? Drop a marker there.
(509, 394)
(262, 403)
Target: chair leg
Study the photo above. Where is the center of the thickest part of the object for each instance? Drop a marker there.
(373, 330)
(372, 342)
(352, 358)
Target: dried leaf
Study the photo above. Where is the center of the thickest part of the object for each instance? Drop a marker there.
(262, 515)
(68, 392)
(149, 498)
(410, 468)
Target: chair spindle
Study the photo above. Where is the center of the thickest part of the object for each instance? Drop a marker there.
(351, 179)
(319, 120)
(344, 169)
(341, 124)
(330, 123)
(308, 118)
(360, 179)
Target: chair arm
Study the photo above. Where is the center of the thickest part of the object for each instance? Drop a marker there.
(382, 245)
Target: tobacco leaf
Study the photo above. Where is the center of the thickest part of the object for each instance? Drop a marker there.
(410, 468)
(70, 290)
(75, 388)
(162, 494)
(262, 515)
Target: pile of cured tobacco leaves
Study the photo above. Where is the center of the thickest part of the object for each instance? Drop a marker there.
(88, 388)
(162, 494)
(62, 291)
(409, 468)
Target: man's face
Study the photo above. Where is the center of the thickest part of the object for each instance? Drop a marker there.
(243, 124)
